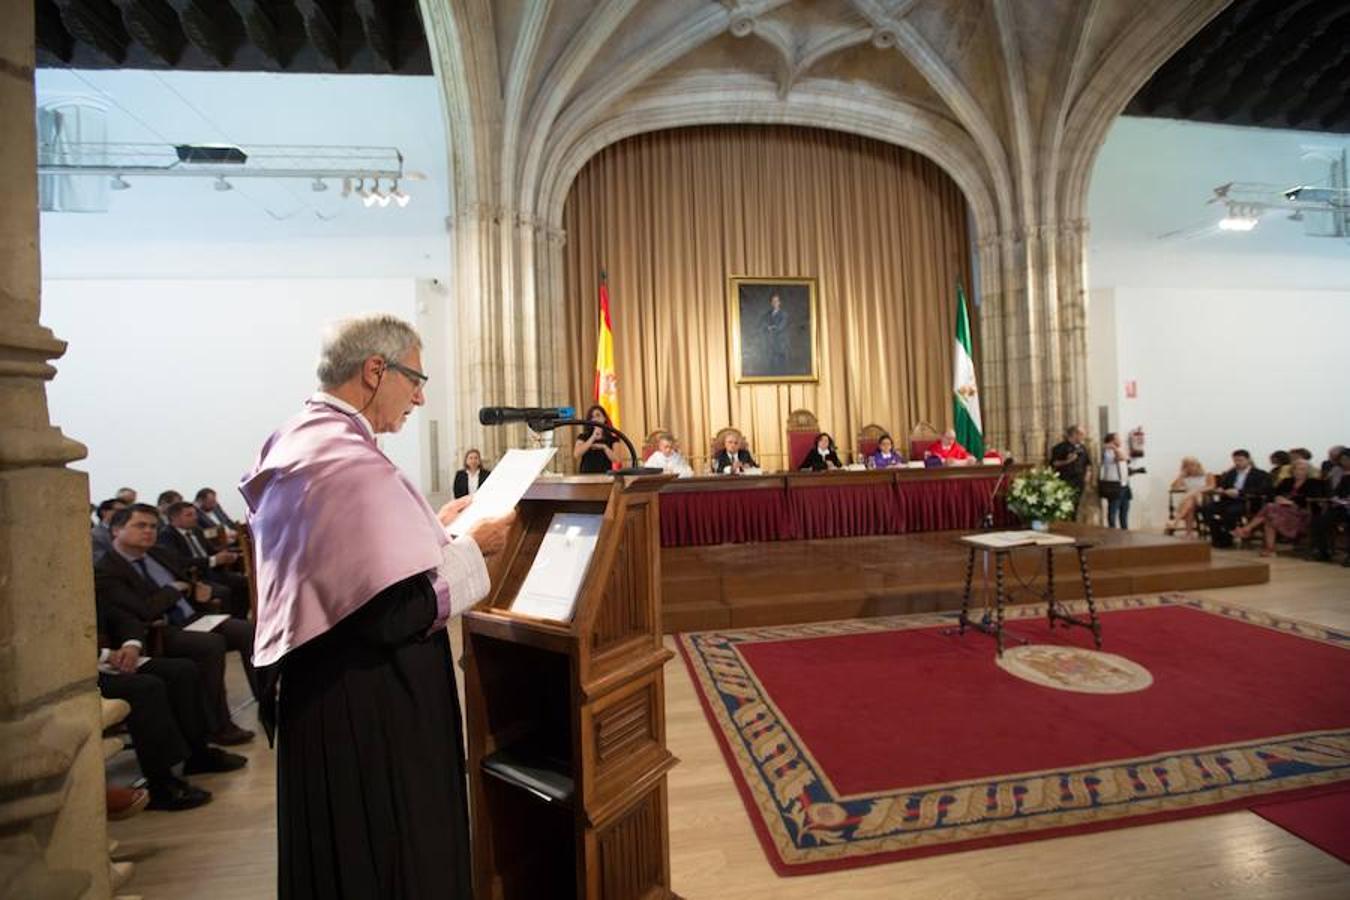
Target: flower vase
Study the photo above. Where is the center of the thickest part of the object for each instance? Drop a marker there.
(1038, 525)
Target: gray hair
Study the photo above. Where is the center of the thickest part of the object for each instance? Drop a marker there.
(348, 343)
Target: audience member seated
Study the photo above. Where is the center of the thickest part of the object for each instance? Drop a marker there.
(168, 717)
(594, 447)
(1287, 515)
(1336, 512)
(733, 459)
(822, 457)
(1279, 466)
(189, 544)
(1331, 466)
(470, 478)
(143, 581)
(949, 451)
(167, 499)
(1194, 481)
(1242, 489)
(100, 535)
(886, 456)
(668, 459)
(211, 515)
(126, 495)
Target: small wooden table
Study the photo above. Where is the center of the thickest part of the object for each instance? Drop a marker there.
(1055, 611)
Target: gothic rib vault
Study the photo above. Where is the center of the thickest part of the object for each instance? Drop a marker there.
(1012, 98)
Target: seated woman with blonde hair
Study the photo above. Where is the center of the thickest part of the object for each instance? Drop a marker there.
(1195, 481)
(666, 458)
(1287, 516)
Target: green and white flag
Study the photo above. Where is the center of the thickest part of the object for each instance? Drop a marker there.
(969, 431)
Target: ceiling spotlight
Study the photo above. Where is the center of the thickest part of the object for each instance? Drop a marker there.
(222, 185)
(381, 197)
(118, 183)
(1237, 223)
(319, 185)
(399, 196)
(347, 186)
(367, 195)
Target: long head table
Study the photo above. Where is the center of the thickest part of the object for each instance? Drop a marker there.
(790, 506)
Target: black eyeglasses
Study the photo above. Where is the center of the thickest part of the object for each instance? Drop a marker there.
(418, 379)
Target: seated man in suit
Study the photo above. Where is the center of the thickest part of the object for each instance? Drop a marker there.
(733, 459)
(167, 499)
(1243, 488)
(167, 719)
(190, 546)
(144, 581)
(210, 514)
(1335, 513)
(100, 536)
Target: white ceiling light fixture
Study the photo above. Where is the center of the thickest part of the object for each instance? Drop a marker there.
(118, 183)
(1240, 218)
(318, 185)
(222, 185)
(400, 196)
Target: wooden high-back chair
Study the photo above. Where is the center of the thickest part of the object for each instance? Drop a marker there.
(802, 428)
(719, 441)
(868, 439)
(247, 557)
(922, 436)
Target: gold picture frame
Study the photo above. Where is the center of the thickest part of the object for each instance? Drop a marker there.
(774, 343)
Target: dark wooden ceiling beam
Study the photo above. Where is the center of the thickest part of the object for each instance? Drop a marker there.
(1317, 64)
(376, 21)
(52, 36)
(98, 24)
(213, 27)
(154, 24)
(323, 22)
(262, 28)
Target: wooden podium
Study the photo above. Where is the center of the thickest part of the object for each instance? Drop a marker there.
(566, 720)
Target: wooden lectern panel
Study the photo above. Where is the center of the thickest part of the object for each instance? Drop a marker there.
(566, 720)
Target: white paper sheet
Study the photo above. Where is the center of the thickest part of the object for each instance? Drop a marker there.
(205, 623)
(1001, 539)
(551, 586)
(499, 494)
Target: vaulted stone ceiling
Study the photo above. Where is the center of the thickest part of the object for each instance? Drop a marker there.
(1012, 98)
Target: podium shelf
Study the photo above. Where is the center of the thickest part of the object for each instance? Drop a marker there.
(546, 777)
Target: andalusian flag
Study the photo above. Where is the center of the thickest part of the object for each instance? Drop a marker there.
(969, 431)
(606, 380)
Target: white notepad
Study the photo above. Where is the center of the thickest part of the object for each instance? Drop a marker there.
(551, 587)
(205, 623)
(1000, 539)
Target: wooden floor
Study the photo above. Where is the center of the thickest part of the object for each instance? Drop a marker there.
(227, 849)
(788, 582)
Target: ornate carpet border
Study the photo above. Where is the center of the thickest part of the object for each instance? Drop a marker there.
(807, 823)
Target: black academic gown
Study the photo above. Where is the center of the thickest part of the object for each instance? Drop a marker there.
(371, 798)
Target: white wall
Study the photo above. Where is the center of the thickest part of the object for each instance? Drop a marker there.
(1222, 369)
(1233, 339)
(176, 383)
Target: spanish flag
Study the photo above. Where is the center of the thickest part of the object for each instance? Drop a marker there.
(606, 381)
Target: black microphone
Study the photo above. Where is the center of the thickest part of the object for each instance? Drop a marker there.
(500, 415)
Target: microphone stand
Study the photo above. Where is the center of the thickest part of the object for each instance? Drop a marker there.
(548, 424)
(987, 520)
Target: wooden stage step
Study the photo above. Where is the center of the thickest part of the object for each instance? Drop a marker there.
(780, 583)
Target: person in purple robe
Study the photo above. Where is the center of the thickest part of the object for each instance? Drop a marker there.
(357, 578)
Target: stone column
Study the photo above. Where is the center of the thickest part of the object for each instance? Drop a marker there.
(53, 834)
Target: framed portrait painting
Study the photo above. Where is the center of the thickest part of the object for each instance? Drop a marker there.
(773, 324)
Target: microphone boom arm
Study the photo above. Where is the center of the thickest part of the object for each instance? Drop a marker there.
(548, 424)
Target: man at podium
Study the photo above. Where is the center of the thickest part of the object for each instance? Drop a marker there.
(356, 580)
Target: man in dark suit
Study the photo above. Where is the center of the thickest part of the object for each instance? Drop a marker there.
(189, 544)
(210, 514)
(100, 535)
(1069, 459)
(1243, 489)
(145, 581)
(168, 715)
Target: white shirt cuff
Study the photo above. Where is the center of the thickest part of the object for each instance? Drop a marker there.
(133, 643)
(464, 571)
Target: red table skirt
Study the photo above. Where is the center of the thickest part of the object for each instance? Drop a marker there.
(700, 518)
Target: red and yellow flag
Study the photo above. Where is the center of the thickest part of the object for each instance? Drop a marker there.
(606, 380)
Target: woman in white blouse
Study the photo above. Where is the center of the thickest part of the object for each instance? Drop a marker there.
(1194, 482)
(470, 478)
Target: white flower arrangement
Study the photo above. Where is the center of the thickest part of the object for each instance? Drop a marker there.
(1040, 495)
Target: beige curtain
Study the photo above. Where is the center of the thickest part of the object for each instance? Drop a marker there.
(671, 215)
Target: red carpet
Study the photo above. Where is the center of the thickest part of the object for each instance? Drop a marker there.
(866, 741)
(1322, 821)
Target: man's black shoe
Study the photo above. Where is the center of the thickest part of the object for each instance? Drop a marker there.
(213, 759)
(175, 795)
